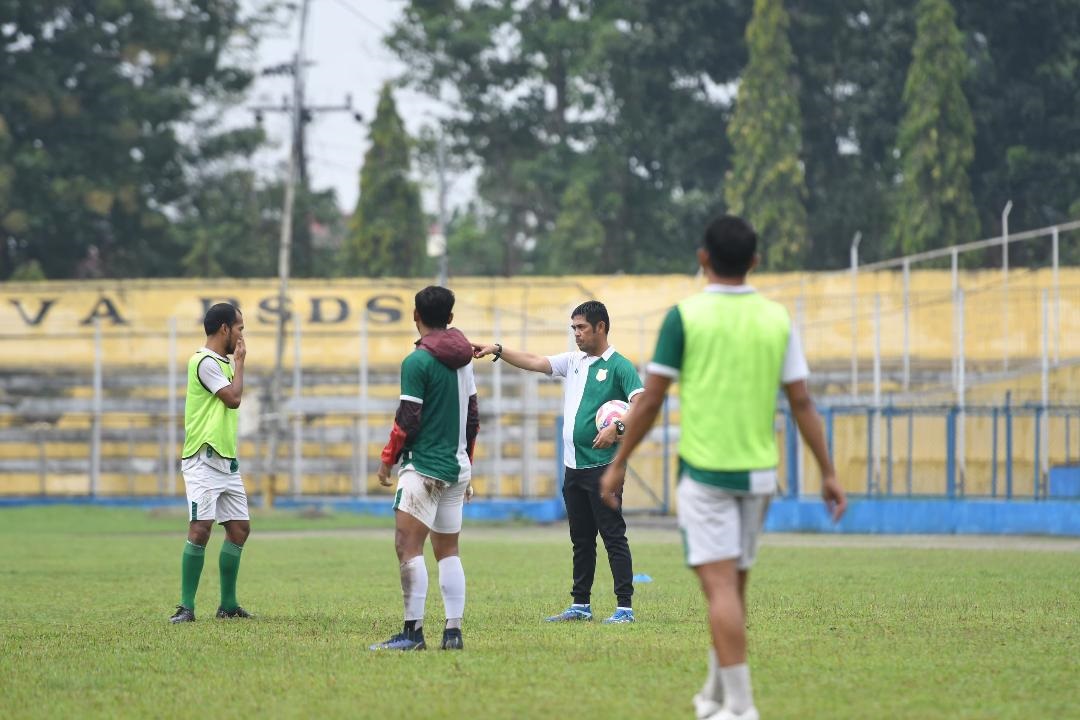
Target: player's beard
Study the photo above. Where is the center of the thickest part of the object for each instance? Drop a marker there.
(230, 345)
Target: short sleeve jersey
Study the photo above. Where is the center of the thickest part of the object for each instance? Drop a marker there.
(439, 449)
(588, 383)
(731, 350)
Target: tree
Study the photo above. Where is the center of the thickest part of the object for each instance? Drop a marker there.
(92, 97)
(386, 235)
(766, 182)
(934, 206)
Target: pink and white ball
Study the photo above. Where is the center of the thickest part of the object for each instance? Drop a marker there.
(609, 412)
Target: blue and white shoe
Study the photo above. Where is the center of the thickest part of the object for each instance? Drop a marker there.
(403, 641)
(620, 616)
(573, 613)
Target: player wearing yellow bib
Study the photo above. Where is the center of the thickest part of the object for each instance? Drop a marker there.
(731, 351)
(212, 480)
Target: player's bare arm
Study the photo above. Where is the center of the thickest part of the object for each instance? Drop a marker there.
(517, 358)
(645, 408)
(232, 393)
(810, 426)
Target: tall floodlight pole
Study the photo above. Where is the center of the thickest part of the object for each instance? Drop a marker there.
(285, 253)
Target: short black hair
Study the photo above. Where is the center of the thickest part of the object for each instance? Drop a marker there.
(593, 311)
(435, 303)
(218, 315)
(731, 243)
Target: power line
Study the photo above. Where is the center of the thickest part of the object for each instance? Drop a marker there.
(348, 6)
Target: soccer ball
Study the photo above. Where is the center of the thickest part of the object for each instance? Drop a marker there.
(609, 412)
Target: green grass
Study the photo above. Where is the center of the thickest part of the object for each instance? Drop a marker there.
(835, 633)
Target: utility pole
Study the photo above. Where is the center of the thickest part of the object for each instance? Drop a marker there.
(299, 114)
(440, 160)
(285, 251)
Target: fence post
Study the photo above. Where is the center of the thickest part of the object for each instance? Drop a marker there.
(1008, 446)
(791, 450)
(910, 448)
(870, 451)
(950, 454)
(906, 379)
(829, 430)
(96, 411)
(531, 432)
(877, 393)
(171, 417)
(560, 460)
(889, 448)
(362, 429)
(1044, 416)
(854, 316)
(961, 396)
(495, 488)
(1005, 284)
(994, 454)
(1036, 466)
(1057, 295)
(297, 414)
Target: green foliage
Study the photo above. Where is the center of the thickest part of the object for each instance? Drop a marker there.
(867, 631)
(92, 97)
(29, 271)
(766, 182)
(934, 205)
(577, 240)
(386, 235)
(475, 246)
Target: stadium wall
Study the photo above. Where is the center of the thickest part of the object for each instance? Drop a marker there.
(53, 322)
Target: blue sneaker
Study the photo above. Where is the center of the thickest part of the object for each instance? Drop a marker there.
(573, 613)
(403, 641)
(621, 615)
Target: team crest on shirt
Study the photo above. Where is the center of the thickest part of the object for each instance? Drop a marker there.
(601, 375)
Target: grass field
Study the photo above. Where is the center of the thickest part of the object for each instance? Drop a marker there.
(836, 632)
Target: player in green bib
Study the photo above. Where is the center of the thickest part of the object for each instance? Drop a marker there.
(215, 490)
(732, 351)
(592, 376)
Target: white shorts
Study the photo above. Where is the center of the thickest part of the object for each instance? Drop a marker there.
(717, 524)
(213, 494)
(433, 502)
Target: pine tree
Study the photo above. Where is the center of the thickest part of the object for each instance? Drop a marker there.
(766, 184)
(386, 232)
(934, 206)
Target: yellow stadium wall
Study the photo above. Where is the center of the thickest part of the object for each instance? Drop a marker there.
(51, 323)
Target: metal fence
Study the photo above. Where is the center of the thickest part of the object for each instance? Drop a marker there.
(968, 387)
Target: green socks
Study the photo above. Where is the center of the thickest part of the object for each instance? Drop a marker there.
(229, 566)
(191, 570)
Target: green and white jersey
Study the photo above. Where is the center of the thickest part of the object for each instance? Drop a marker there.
(730, 349)
(439, 449)
(589, 382)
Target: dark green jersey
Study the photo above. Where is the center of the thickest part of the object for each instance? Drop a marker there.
(439, 449)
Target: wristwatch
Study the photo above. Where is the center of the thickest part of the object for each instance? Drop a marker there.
(620, 427)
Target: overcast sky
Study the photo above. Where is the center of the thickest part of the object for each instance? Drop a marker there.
(343, 42)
